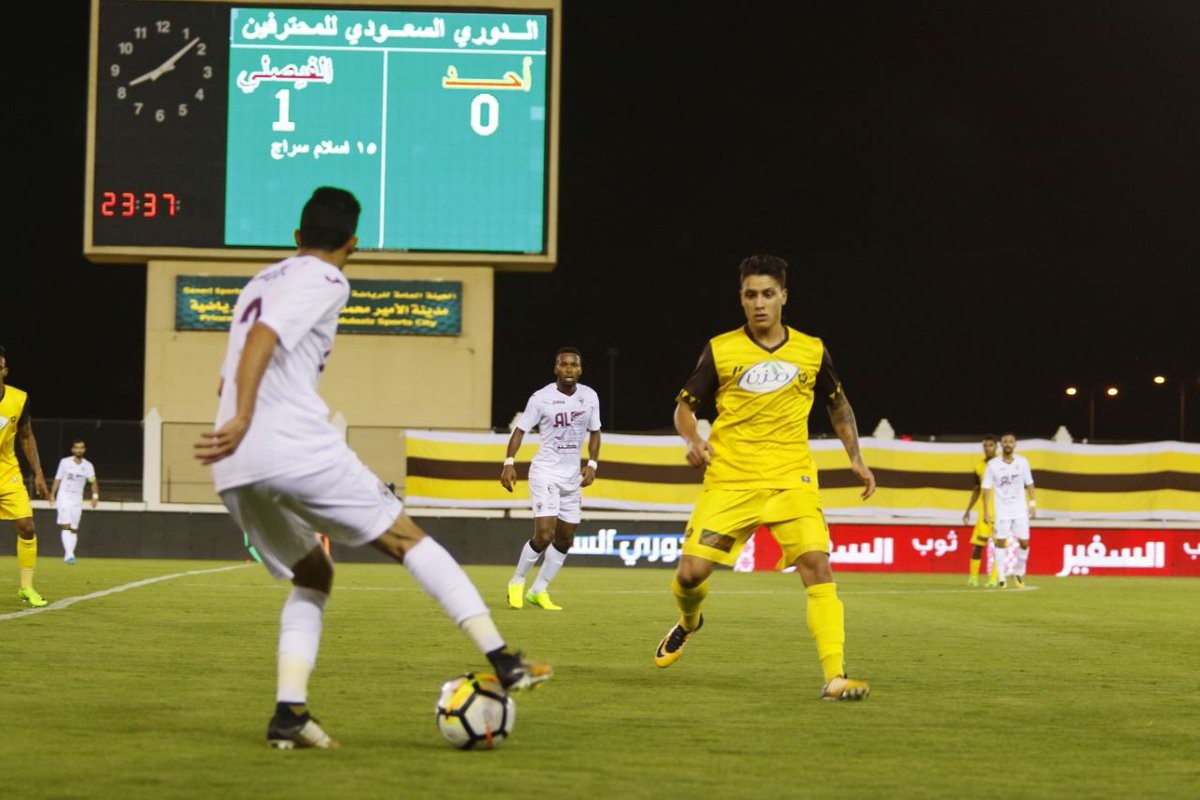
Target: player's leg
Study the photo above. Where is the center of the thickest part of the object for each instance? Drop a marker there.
(1022, 536)
(543, 499)
(806, 544)
(1000, 538)
(531, 551)
(14, 505)
(979, 540)
(721, 523)
(442, 577)
(69, 517)
(285, 543)
(563, 536)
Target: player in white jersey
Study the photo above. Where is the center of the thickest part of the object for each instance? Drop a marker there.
(564, 412)
(284, 471)
(1009, 482)
(74, 474)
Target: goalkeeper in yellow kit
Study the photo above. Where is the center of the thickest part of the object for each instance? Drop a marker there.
(764, 377)
(983, 528)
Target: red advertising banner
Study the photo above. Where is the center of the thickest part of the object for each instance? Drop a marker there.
(1053, 551)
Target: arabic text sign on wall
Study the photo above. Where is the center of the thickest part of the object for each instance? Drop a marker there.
(413, 307)
(1053, 551)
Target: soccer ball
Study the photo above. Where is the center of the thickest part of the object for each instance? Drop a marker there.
(474, 711)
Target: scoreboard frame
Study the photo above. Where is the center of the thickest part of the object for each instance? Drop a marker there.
(147, 201)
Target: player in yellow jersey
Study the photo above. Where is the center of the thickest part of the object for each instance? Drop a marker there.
(15, 423)
(983, 529)
(758, 470)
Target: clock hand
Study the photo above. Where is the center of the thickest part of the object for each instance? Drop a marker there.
(166, 66)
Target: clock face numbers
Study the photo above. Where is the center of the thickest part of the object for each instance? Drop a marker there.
(159, 71)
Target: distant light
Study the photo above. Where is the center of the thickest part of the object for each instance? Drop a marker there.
(1072, 391)
(1159, 379)
(1112, 391)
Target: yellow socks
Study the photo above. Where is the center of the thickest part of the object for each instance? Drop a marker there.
(975, 567)
(689, 602)
(27, 559)
(827, 623)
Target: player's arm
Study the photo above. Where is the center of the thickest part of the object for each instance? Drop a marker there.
(508, 472)
(588, 475)
(29, 446)
(841, 414)
(95, 490)
(1032, 500)
(702, 383)
(54, 490)
(971, 503)
(986, 490)
(215, 445)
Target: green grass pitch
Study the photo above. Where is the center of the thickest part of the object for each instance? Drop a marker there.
(1077, 687)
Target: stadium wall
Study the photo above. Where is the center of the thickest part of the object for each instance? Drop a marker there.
(885, 545)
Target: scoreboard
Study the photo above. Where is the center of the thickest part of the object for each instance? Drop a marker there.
(210, 123)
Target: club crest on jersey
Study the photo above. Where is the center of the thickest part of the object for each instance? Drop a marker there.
(767, 376)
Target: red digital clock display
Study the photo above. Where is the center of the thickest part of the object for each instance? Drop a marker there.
(138, 204)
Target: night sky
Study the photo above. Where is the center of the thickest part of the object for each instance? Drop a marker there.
(981, 203)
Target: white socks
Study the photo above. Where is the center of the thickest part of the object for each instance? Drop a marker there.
(441, 576)
(299, 640)
(69, 540)
(554, 561)
(1022, 560)
(528, 558)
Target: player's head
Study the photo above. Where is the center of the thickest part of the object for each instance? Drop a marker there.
(568, 366)
(989, 445)
(329, 220)
(1008, 442)
(763, 291)
(78, 448)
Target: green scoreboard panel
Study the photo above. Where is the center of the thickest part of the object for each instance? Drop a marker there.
(212, 122)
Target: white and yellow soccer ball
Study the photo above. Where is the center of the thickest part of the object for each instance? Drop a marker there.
(474, 711)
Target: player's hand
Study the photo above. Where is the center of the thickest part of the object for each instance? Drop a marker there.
(39, 484)
(865, 475)
(987, 519)
(966, 518)
(95, 502)
(587, 477)
(221, 443)
(508, 476)
(1033, 512)
(699, 453)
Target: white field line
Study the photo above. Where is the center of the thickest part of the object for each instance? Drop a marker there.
(70, 601)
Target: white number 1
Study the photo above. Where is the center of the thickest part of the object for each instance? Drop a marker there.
(283, 123)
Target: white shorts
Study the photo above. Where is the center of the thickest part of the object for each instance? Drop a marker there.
(1012, 529)
(556, 495)
(282, 516)
(69, 513)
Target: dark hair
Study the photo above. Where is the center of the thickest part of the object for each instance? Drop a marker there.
(990, 437)
(329, 219)
(78, 441)
(764, 265)
(1008, 433)
(568, 349)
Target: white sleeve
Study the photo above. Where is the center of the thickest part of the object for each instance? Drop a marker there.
(62, 469)
(295, 308)
(532, 414)
(987, 482)
(594, 420)
(1028, 476)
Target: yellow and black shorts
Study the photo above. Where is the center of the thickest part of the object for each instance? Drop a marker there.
(725, 519)
(14, 500)
(982, 532)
